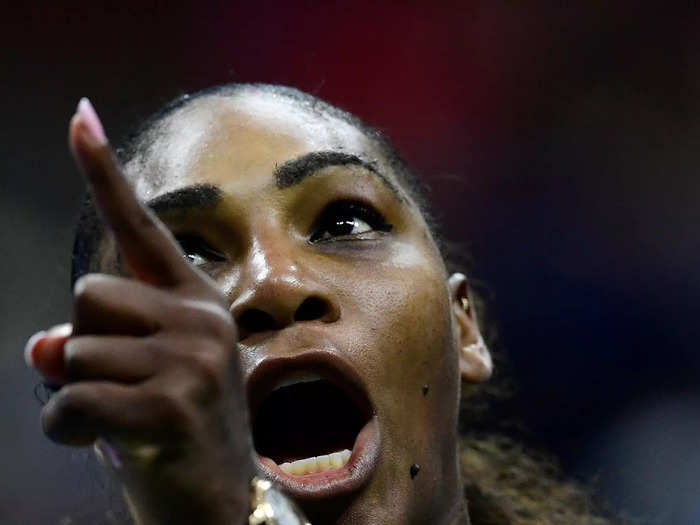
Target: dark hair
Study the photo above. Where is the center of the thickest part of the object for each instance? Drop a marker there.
(504, 483)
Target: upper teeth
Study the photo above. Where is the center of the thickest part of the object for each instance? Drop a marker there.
(317, 463)
(295, 379)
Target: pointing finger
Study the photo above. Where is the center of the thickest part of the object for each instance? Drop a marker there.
(148, 248)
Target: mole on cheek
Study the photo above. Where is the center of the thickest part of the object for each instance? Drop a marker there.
(415, 469)
(426, 388)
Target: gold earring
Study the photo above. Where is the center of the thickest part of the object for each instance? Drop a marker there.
(465, 304)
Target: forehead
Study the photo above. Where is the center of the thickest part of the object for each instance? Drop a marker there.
(240, 139)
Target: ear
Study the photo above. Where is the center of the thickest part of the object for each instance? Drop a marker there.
(475, 362)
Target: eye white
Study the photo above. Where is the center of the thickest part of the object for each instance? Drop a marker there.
(360, 226)
(195, 259)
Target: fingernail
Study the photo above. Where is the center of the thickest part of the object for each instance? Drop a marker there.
(29, 348)
(44, 351)
(88, 115)
(60, 330)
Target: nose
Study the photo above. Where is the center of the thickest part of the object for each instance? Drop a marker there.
(275, 291)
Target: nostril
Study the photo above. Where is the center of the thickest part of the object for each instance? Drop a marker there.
(312, 308)
(254, 320)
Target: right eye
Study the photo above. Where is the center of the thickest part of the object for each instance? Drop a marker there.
(198, 251)
(349, 220)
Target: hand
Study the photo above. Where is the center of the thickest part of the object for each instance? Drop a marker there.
(150, 369)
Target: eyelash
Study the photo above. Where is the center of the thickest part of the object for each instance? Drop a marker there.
(194, 246)
(341, 214)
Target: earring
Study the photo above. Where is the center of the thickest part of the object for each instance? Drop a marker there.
(465, 304)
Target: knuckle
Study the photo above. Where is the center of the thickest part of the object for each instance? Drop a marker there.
(87, 289)
(206, 368)
(66, 413)
(75, 359)
(207, 364)
(212, 319)
(169, 409)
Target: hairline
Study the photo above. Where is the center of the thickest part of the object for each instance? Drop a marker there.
(137, 145)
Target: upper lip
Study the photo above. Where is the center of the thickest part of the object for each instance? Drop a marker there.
(270, 372)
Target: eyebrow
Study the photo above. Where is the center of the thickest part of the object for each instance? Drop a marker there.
(296, 170)
(195, 196)
(289, 174)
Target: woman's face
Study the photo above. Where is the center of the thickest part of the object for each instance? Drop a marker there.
(348, 338)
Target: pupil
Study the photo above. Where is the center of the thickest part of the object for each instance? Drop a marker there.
(342, 227)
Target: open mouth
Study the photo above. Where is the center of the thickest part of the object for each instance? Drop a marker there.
(313, 426)
(307, 425)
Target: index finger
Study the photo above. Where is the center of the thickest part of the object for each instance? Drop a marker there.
(147, 246)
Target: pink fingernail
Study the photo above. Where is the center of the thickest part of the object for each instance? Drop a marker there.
(29, 348)
(92, 122)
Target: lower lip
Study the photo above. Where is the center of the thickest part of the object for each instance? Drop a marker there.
(347, 479)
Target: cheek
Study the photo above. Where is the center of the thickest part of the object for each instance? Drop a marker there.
(401, 325)
(402, 337)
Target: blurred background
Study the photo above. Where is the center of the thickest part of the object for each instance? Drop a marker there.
(561, 144)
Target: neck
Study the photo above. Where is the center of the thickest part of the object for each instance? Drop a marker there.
(458, 514)
(451, 509)
(457, 511)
